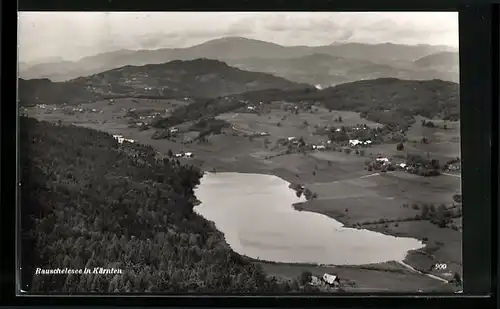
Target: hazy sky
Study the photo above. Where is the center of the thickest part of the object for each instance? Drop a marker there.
(72, 35)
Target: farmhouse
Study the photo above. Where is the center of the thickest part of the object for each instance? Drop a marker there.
(331, 279)
(121, 139)
(383, 160)
(184, 155)
(251, 108)
(354, 142)
(174, 130)
(452, 167)
(291, 138)
(357, 142)
(319, 147)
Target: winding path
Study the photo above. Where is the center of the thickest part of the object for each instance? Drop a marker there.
(421, 273)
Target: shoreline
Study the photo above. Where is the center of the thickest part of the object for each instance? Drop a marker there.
(346, 224)
(365, 272)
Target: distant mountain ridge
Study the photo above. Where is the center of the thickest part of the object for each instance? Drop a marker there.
(237, 49)
(326, 70)
(195, 78)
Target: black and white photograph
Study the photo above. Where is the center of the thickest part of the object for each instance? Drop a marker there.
(239, 152)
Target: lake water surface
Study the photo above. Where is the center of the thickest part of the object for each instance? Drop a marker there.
(256, 215)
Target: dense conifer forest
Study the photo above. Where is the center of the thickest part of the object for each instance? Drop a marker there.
(87, 201)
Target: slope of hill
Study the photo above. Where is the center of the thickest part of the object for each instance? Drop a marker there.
(88, 202)
(44, 91)
(383, 100)
(442, 59)
(230, 48)
(196, 78)
(326, 70)
(384, 53)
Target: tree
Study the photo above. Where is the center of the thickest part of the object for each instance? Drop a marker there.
(400, 147)
(301, 141)
(457, 278)
(170, 154)
(424, 211)
(435, 164)
(305, 277)
(340, 119)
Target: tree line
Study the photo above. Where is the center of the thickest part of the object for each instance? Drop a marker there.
(87, 201)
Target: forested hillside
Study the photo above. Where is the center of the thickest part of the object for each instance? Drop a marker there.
(88, 202)
(383, 100)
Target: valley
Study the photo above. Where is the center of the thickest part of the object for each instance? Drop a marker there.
(239, 153)
(255, 140)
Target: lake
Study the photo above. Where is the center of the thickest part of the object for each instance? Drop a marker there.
(255, 213)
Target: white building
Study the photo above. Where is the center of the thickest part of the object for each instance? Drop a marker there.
(354, 142)
(320, 147)
(291, 138)
(383, 160)
(331, 279)
(121, 139)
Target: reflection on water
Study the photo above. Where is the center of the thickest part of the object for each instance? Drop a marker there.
(255, 213)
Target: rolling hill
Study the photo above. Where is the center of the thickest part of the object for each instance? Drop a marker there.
(384, 100)
(196, 78)
(230, 49)
(44, 91)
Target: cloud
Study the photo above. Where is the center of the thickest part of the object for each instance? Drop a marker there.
(45, 34)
